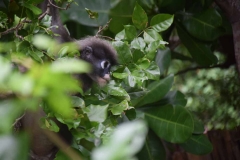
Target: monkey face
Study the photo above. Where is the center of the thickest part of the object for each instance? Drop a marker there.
(101, 64)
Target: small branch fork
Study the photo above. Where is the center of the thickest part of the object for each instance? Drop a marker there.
(21, 23)
(101, 29)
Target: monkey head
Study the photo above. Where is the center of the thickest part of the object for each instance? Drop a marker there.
(101, 55)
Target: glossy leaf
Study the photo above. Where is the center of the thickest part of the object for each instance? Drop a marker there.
(124, 52)
(199, 51)
(139, 17)
(130, 32)
(129, 138)
(151, 35)
(115, 91)
(204, 26)
(138, 43)
(161, 22)
(152, 48)
(175, 98)
(156, 91)
(33, 8)
(163, 60)
(173, 124)
(96, 113)
(153, 148)
(197, 144)
(118, 109)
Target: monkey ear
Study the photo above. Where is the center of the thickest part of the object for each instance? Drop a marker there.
(88, 50)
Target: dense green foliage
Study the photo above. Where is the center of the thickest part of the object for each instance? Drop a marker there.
(109, 122)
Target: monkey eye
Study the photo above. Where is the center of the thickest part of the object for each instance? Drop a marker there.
(88, 50)
(105, 64)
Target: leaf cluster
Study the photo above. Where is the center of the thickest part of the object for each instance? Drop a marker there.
(109, 122)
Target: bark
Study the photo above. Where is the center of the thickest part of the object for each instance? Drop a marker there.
(232, 10)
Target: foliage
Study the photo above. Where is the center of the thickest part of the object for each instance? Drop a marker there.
(141, 88)
(214, 98)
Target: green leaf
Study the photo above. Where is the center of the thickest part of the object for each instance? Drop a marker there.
(173, 124)
(197, 144)
(17, 143)
(123, 51)
(137, 54)
(115, 91)
(6, 69)
(163, 60)
(161, 22)
(129, 138)
(198, 126)
(130, 32)
(120, 36)
(49, 124)
(3, 20)
(92, 14)
(152, 48)
(118, 109)
(200, 52)
(60, 103)
(138, 43)
(151, 35)
(156, 91)
(70, 65)
(33, 8)
(175, 98)
(139, 17)
(153, 148)
(152, 72)
(96, 113)
(78, 102)
(204, 26)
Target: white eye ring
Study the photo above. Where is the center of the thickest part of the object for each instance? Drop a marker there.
(105, 64)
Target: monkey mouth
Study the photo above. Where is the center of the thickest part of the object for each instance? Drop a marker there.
(102, 81)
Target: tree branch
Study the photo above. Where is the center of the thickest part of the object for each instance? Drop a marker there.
(232, 10)
(197, 68)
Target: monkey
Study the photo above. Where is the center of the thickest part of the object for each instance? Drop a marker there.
(99, 53)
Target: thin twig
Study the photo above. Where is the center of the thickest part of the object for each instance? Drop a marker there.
(45, 13)
(105, 37)
(197, 68)
(103, 28)
(68, 5)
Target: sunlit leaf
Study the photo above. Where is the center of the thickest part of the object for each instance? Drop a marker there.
(151, 35)
(138, 43)
(70, 65)
(161, 22)
(118, 109)
(129, 137)
(96, 113)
